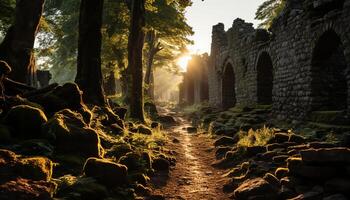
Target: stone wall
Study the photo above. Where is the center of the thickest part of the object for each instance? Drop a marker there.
(300, 65)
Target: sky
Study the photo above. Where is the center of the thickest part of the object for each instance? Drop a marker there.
(202, 15)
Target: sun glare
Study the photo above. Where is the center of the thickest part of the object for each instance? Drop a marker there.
(183, 61)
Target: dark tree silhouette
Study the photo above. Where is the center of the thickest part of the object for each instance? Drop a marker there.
(135, 46)
(89, 74)
(17, 47)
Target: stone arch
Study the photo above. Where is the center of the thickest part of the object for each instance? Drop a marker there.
(228, 86)
(330, 83)
(264, 68)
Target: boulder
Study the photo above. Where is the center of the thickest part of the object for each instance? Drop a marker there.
(144, 130)
(68, 96)
(106, 172)
(281, 172)
(326, 155)
(26, 121)
(119, 150)
(71, 135)
(167, 119)
(120, 111)
(296, 138)
(227, 131)
(272, 179)
(297, 167)
(254, 150)
(135, 161)
(256, 187)
(160, 164)
(279, 138)
(27, 189)
(225, 141)
(34, 168)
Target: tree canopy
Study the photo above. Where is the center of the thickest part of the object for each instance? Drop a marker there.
(268, 11)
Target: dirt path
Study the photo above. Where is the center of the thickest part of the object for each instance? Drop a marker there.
(193, 177)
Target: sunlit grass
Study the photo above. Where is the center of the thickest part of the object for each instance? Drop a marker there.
(258, 137)
(157, 139)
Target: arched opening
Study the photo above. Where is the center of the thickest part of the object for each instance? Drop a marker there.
(329, 82)
(228, 87)
(264, 79)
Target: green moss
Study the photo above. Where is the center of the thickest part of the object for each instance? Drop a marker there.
(36, 168)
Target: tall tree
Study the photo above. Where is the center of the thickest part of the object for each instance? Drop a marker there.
(135, 47)
(154, 46)
(17, 47)
(89, 74)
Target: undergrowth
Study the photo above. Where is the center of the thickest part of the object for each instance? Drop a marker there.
(258, 137)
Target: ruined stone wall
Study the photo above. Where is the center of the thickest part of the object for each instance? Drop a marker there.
(290, 47)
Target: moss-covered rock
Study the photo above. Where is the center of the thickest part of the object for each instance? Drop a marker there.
(160, 164)
(120, 111)
(36, 168)
(71, 135)
(81, 188)
(27, 189)
(119, 150)
(106, 172)
(26, 121)
(62, 97)
(144, 130)
(136, 161)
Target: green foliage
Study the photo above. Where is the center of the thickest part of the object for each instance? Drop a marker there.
(7, 10)
(268, 11)
(255, 138)
(58, 37)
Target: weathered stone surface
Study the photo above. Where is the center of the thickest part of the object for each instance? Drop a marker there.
(286, 60)
(26, 121)
(106, 172)
(297, 167)
(27, 189)
(255, 187)
(281, 172)
(225, 141)
(279, 138)
(34, 168)
(160, 164)
(326, 155)
(71, 135)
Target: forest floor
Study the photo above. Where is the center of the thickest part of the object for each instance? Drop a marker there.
(193, 177)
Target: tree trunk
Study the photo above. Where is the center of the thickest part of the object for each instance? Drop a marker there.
(17, 47)
(154, 48)
(135, 46)
(110, 85)
(89, 74)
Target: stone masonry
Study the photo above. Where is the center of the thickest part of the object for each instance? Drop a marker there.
(300, 65)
